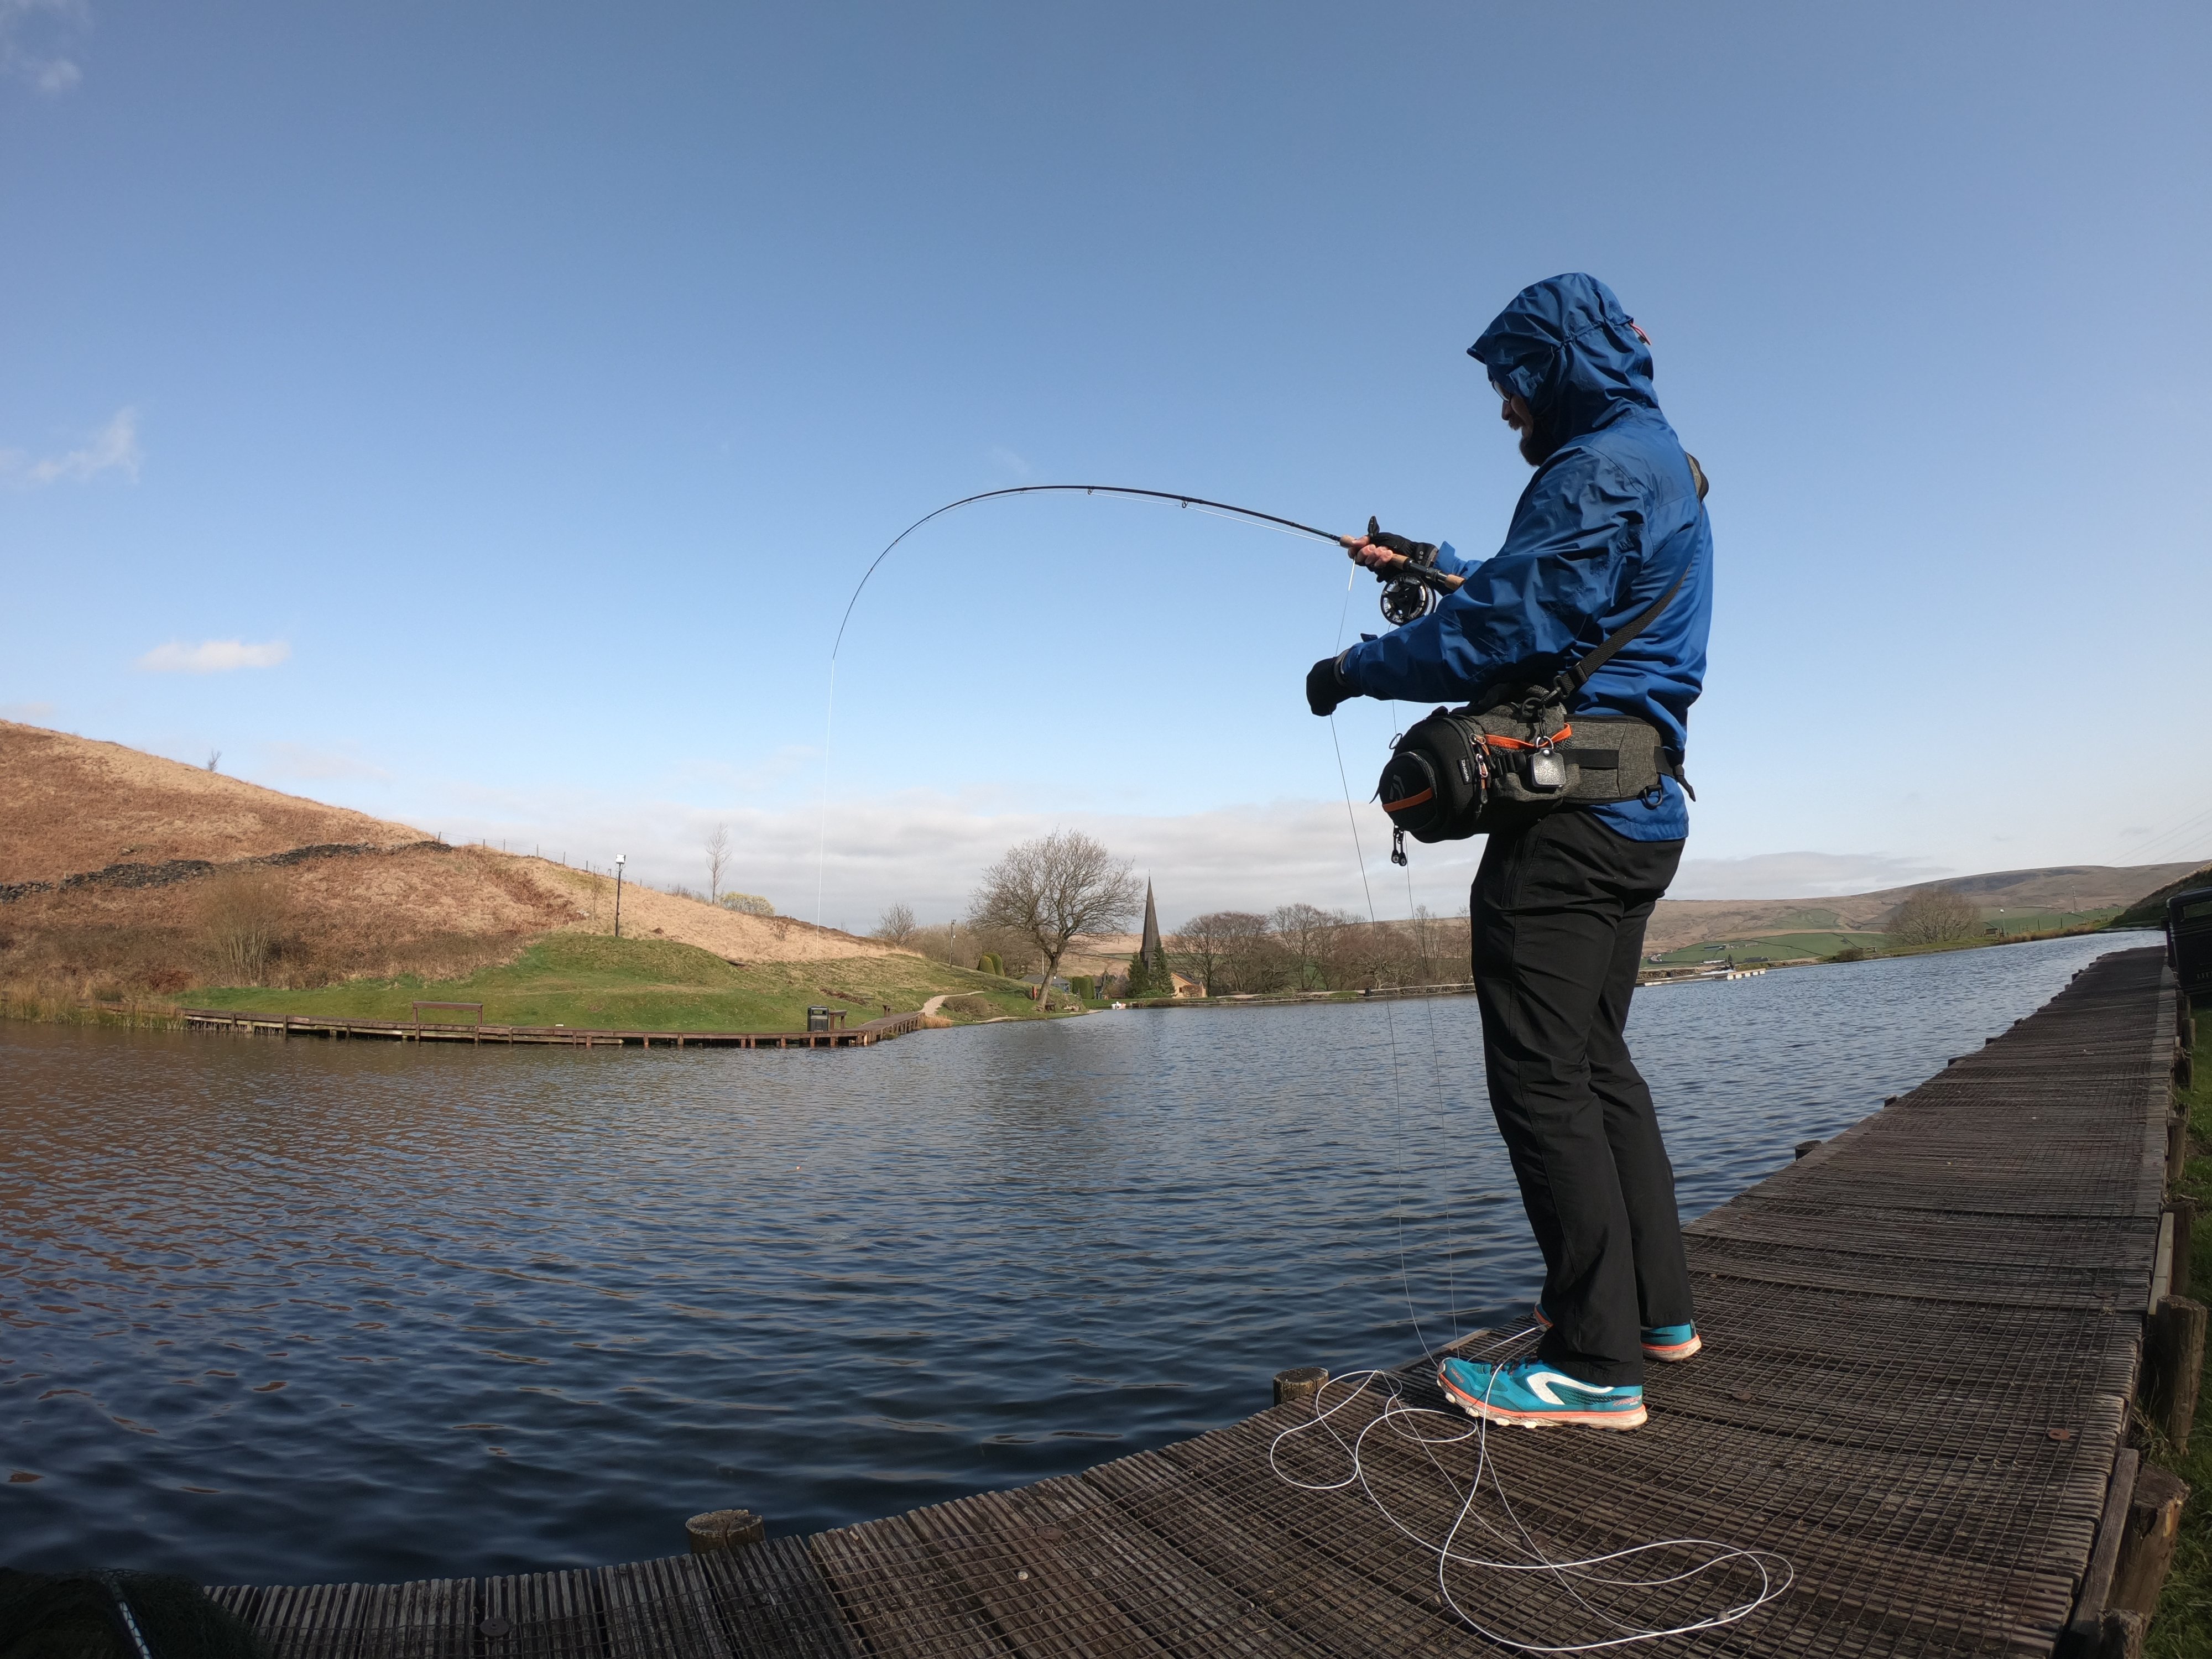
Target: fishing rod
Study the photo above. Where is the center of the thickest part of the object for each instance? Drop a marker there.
(1418, 574)
(1411, 586)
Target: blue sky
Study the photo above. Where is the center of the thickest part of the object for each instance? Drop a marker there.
(480, 415)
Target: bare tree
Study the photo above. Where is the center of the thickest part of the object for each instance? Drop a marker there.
(1934, 915)
(214, 758)
(1046, 891)
(898, 927)
(718, 856)
(1304, 930)
(1231, 952)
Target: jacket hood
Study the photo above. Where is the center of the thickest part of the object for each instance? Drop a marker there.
(1566, 346)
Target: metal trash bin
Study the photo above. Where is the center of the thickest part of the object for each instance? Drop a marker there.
(2188, 940)
(817, 1019)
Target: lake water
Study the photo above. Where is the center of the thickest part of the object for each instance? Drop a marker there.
(285, 1312)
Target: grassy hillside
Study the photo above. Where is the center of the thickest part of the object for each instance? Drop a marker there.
(2020, 901)
(593, 980)
(1756, 947)
(2149, 911)
(124, 876)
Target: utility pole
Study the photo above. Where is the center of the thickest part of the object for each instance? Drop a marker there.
(618, 876)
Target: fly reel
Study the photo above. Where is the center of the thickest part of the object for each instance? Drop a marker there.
(1410, 591)
(1407, 600)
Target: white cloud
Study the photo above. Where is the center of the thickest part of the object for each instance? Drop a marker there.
(32, 35)
(927, 849)
(29, 714)
(213, 657)
(113, 448)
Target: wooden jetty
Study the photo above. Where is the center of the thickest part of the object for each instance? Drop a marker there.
(1924, 1337)
(239, 1023)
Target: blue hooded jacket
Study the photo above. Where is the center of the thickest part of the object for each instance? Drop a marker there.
(1605, 525)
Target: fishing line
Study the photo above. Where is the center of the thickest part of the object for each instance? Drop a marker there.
(1427, 1430)
(1407, 1424)
(1215, 509)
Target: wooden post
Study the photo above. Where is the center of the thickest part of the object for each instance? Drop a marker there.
(1299, 1384)
(2089, 1630)
(2147, 1544)
(1805, 1146)
(2183, 1211)
(2174, 1357)
(2177, 1147)
(724, 1529)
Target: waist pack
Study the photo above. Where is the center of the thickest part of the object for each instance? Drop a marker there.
(1503, 762)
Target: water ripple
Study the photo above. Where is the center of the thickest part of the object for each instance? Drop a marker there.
(283, 1312)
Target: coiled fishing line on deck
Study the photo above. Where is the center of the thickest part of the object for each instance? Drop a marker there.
(1422, 1427)
(1411, 1425)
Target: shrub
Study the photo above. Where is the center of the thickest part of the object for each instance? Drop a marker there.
(751, 904)
(1934, 915)
(245, 917)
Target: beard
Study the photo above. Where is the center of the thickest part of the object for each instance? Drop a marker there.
(1537, 445)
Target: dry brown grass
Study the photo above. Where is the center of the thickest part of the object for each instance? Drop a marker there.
(419, 911)
(69, 804)
(70, 807)
(730, 935)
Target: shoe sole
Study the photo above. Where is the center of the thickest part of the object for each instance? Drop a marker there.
(1483, 1408)
(1681, 1351)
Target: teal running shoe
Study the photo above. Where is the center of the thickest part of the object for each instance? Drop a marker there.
(1530, 1393)
(1667, 1342)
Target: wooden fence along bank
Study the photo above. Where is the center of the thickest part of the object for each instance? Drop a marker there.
(421, 1030)
(1924, 1337)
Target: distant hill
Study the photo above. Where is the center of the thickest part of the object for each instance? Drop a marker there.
(2058, 888)
(121, 871)
(69, 804)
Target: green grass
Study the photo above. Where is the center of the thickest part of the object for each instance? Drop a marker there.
(1810, 940)
(1772, 947)
(2183, 1624)
(648, 984)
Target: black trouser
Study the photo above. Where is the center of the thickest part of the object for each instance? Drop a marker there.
(1559, 912)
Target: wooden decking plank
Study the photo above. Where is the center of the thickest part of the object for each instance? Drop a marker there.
(1183, 1608)
(658, 1610)
(896, 1599)
(1286, 1569)
(772, 1602)
(1857, 1562)
(1041, 1602)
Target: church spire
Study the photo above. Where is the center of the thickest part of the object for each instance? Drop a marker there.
(1153, 954)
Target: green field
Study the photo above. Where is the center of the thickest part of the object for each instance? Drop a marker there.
(1771, 947)
(591, 980)
(1820, 936)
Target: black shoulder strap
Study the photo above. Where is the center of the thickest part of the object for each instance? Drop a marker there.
(1572, 678)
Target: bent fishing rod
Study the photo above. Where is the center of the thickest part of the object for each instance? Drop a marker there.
(1409, 583)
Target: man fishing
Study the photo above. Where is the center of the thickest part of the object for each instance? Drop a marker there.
(1611, 520)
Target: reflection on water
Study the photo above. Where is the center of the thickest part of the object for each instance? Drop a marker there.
(281, 1312)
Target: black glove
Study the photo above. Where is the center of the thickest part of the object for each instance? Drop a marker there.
(1404, 547)
(1325, 687)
